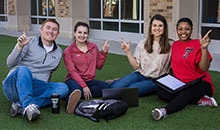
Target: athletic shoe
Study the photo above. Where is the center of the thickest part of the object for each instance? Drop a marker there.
(16, 109)
(73, 100)
(158, 114)
(208, 101)
(32, 112)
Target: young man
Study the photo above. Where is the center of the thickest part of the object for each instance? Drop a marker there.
(32, 62)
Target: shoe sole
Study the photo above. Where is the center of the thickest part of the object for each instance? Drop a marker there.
(73, 100)
(156, 115)
(33, 117)
(14, 111)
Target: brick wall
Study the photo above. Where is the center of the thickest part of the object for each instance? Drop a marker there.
(163, 7)
(63, 8)
(11, 7)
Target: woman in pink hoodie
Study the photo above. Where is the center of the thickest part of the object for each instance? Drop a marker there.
(81, 59)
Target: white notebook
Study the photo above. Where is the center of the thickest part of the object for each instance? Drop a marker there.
(172, 84)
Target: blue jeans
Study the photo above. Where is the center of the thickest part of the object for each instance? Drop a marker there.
(19, 87)
(136, 80)
(95, 87)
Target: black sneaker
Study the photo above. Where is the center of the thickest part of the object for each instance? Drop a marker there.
(32, 112)
(16, 109)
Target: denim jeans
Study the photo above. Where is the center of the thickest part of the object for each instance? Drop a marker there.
(19, 87)
(136, 80)
(95, 87)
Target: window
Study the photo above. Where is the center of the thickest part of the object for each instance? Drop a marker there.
(42, 10)
(210, 18)
(3, 10)
(116, 15)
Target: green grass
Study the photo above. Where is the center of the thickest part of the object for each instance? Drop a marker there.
(192, 117)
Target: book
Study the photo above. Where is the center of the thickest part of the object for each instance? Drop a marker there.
(172, 84)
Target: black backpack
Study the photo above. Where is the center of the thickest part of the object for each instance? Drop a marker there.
(106, 109)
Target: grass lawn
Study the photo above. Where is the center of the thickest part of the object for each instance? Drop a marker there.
(192, 117)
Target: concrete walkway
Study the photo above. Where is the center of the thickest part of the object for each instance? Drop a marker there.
(114, 45)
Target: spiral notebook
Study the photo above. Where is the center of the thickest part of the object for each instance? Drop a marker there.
(172, 84)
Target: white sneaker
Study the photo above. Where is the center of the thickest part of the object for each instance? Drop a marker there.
(32, 112)
(158, 114)
(208, 101)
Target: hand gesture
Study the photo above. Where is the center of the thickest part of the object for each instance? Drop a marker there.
(87, 93)
(204, 42)
(106, 46)
(124, 46)
(22, 40)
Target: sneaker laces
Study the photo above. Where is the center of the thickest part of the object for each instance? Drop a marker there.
(30, 107)
(163, 112)
(207, 102)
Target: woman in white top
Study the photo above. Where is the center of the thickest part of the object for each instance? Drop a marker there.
(151, 58)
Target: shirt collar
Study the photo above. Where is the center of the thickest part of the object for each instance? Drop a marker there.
(41, 44)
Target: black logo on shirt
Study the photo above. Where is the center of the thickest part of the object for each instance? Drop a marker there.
(187, 51)
(53, 57)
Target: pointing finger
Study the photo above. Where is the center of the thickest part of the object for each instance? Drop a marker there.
(25, 31)
(123, 40)
(106, 42)
(129, 43)
(206, 35)
(200, 36)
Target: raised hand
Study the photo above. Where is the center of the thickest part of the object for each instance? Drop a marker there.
(204, 42)
(106, 46)
(125, 46)
(22, 40)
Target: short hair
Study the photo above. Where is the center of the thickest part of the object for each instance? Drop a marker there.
(81, 24)
(184, 19)
(52, 21)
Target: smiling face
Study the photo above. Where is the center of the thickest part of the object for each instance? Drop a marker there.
(49, 32)
(157, 29)
(184, 31)
(81, 34)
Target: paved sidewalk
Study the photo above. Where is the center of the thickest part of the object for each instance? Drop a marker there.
(114, 45)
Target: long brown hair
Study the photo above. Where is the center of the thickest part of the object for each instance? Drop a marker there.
(164, 44)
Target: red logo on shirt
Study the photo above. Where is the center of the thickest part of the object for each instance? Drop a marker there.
(187, 51)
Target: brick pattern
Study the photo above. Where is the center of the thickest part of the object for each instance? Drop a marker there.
(163, 7)
(63, 8)
(11, 7)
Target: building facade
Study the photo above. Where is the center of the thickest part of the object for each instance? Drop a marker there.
(113, 19)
